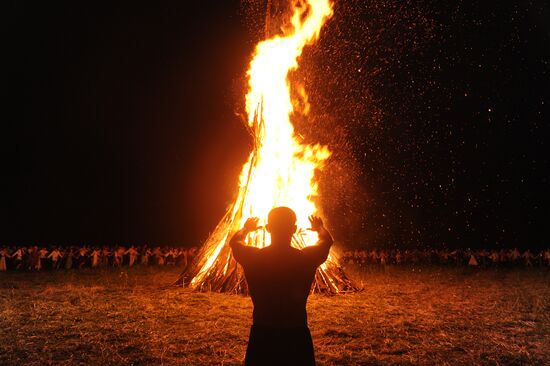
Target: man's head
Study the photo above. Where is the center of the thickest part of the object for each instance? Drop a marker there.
(281, 224)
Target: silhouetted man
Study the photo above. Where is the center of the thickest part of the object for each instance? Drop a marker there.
(279, 279)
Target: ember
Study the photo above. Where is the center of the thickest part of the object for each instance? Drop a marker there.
(280, 170)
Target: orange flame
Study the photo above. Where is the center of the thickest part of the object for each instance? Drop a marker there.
(280, 170)
(284, 171)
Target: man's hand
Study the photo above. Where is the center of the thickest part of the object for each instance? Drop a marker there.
(316, 223)
(243, 253)
(251, 224)
(319, 252)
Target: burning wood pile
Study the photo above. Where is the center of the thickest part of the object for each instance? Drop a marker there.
(280, 171)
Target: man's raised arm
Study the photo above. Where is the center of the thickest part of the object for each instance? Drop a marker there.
(319, 252)
(242, 252)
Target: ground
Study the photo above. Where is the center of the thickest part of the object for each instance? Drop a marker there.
(431, 316)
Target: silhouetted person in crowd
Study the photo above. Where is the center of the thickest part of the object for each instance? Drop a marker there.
(279, 279)
(55, 256)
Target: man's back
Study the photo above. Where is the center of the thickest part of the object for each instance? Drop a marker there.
(279, 280)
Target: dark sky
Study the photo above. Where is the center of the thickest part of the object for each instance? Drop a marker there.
(122, 120)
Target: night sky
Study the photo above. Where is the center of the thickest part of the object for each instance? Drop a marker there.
(123, 122)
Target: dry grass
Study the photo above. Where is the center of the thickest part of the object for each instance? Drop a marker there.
(428, 316)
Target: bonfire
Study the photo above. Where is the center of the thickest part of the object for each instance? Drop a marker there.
(280, 170)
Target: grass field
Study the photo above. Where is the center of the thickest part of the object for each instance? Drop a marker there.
(431, 316)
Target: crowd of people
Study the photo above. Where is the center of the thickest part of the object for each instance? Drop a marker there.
(459, 257)
(37, 258)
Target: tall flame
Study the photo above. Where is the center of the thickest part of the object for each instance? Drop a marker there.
(284, 170)
(280, 170)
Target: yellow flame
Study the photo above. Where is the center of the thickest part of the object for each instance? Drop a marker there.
(280, 171)
(284, 172)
